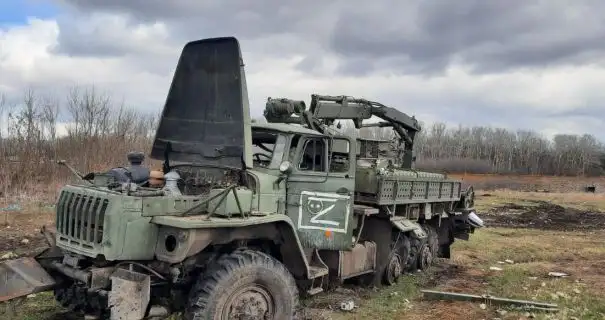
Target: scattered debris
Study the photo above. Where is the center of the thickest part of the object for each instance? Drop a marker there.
(8, 256)
(558, 274)
(509, 261)
(495, 268)
(347, 305)
(490, 300)
(25, 241)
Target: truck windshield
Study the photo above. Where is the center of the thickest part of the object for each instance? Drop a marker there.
(267, 149)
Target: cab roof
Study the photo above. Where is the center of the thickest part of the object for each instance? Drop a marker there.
(286, 128)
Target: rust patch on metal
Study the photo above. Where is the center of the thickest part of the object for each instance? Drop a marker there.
(361, 259)
(130, 294)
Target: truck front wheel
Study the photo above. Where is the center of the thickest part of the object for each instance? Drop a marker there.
(245, 284)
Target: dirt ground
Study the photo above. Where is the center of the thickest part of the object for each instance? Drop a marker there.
(544, 215)
(21, 235)
(529, 234)
(530, 183)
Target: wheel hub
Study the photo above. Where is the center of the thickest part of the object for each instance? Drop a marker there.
(250, 303)
(394, 269)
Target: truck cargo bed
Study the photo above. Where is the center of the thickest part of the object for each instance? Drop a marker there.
(403, 189)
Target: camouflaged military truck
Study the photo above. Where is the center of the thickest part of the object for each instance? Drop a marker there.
(246, 216)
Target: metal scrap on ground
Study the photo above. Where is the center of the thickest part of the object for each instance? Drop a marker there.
(489, 300)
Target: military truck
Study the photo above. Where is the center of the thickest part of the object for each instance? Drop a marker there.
(247, 217)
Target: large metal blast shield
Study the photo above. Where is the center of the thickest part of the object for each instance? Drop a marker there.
(206, 118)
(21, 277)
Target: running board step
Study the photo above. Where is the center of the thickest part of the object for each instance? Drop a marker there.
(314, 291)
(317, 267)
(316, 272)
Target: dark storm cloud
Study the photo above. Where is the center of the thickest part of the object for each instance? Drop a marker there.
(74, 40)
(195, 19)
(487, 35)
(413, 36)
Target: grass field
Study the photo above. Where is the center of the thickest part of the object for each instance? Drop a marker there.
(530, 234)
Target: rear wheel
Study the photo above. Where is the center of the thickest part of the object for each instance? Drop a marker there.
(430, 250)
(245, 284)
(425, 257)
(396, 263)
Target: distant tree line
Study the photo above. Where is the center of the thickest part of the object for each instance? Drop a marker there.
(483, 149)
(100, 131)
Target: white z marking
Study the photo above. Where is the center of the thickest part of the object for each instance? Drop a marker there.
(312, 203)
(315, 218)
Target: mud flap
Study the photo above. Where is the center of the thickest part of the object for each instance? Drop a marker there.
(21, 277)
(405, 225)
(130, 294)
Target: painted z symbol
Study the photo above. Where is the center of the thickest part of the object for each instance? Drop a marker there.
(315, 218)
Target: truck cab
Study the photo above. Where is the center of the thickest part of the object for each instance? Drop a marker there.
(319, 176)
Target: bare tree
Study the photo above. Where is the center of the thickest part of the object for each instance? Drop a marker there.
(99, 132)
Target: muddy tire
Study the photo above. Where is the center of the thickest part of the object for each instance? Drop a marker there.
(432, 241)
(245, 284)
(396, 263)
(413, 258)
(425, 257)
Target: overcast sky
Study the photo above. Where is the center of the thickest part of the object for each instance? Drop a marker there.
(527, 64)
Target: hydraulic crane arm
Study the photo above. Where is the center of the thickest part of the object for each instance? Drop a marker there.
(330, 108)
(324, 110)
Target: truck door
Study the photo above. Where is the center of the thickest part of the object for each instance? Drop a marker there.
(320, 191)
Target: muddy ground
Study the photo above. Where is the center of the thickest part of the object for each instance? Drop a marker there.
(539, 214)
(20, 233)
(468, 271)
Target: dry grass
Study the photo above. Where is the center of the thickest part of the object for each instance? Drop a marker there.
(579, 200)
(534, 252)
